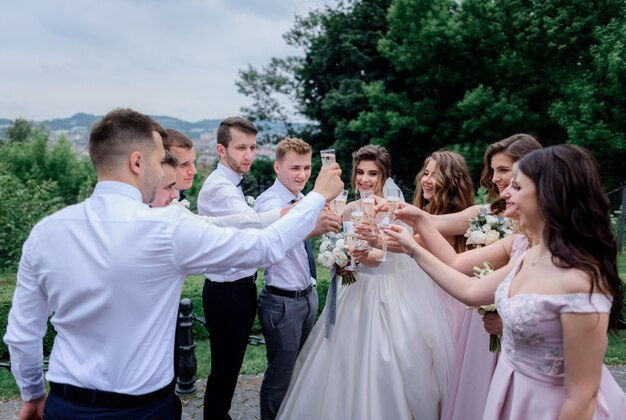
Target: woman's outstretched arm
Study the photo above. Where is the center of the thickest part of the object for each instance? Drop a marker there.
(459, 285)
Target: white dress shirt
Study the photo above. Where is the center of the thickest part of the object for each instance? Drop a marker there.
(111, 270)
(292, 272)
(220, 196)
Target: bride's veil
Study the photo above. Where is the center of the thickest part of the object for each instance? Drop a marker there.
(389, 185)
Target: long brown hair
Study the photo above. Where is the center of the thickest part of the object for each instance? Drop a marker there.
(454, 190)
(575, 210)
(515, 147)
(381, 158)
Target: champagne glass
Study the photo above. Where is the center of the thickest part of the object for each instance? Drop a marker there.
(383, 220)
(351, 240)
(356, 211)
(339, 203)
(328, 156)
(369, 205)
(393, 201)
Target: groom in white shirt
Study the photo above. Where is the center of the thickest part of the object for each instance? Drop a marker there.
(288, 303)
(110, 270)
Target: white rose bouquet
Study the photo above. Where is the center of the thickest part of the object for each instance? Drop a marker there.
(334, 252)
(250, 200)
(480, 272)
(485, 229)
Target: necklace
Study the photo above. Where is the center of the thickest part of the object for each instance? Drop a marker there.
(538, 260)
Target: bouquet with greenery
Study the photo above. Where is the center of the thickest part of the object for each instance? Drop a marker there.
(334, 253)
(480, 272)
(485, 228)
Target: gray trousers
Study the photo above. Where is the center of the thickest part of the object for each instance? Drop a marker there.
(286, 324)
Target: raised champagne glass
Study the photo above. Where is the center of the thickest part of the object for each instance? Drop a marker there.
(356, 211)
(393, 201)
(383, 220)
(328, 156)
(339, 203)
(369, 206)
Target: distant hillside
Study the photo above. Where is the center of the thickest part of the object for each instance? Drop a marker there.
(82, 121)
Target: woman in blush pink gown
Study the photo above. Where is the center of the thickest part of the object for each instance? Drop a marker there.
(557, 301)
(474, 364)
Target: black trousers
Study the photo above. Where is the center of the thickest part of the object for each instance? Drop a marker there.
(229, 309)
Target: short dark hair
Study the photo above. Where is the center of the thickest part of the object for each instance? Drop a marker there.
(118, 133)
(176, 139)
(170, 160)
(237, 123)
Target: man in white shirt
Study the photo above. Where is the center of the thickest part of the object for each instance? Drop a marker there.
(288, 303)
(182, 147)
(229, 299)
(167, 192)
(111, 270)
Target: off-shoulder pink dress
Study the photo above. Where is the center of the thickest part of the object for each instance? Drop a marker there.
(528, 381)
(474, 364)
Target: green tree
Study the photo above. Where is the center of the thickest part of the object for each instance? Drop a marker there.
(21, 130)
(24, 204)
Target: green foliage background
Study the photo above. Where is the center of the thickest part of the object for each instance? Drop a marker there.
(420, 75)
(36, 179)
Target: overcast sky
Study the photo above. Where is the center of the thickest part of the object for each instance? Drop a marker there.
(161, 57)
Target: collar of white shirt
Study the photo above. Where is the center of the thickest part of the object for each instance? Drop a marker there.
(116, 187)
(228, 173)
(284, 194)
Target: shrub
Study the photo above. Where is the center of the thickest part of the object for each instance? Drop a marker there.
(6, 298)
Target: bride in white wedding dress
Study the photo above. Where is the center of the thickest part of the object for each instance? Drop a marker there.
(390, 351)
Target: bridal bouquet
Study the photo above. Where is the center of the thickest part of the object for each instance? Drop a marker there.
(334, 253)
(480, 272)
(485, 229)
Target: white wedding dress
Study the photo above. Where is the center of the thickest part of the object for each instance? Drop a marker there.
(389, 355)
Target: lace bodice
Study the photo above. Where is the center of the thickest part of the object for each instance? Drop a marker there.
(533, 334)
(519, 246)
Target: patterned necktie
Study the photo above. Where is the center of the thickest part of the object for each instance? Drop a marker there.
(309, 251)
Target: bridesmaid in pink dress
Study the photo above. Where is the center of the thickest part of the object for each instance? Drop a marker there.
(558, 302)
(474, 364)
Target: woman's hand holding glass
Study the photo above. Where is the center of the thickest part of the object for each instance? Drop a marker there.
(400, 239)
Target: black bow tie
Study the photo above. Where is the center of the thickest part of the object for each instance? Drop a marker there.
(295, 200)
(241, 181)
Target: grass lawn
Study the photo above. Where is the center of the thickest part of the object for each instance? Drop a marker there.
(255, 362)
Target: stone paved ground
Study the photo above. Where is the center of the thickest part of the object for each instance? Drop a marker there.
(245, 401)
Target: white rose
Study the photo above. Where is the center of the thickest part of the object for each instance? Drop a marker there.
(477, 238)
(326, 259)
(341, 259)
(491, 220)
(340, 244)
(250, 200)
(324, 246)
(491, 237)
